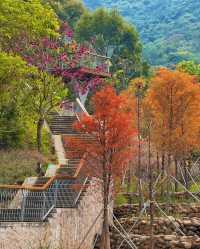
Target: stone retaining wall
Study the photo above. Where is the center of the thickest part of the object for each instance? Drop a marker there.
(65, 230)
(182, 209)
(161, 242)
(166, 234)
(189, 227)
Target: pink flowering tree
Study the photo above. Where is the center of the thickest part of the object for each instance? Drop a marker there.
(62, 57)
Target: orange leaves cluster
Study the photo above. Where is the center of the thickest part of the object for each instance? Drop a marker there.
(173, 102)
(111, 134)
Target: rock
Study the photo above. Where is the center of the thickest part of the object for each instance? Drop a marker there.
(187, 245)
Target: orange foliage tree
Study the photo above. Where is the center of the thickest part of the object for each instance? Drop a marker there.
(174, 103)
(107, 144)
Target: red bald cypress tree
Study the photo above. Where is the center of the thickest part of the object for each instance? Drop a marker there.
(109, 145)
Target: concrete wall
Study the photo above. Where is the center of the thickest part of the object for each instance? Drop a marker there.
(65, 230)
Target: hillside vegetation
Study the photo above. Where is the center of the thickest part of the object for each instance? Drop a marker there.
(170, 29)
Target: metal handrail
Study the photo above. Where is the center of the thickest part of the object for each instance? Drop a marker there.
(79, 109)
(48, 212)
(82, 107)
(25, 205)
(93, 60)
(80, 192)
(48, 183)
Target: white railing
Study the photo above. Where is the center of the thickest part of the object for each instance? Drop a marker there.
(95, 61)
(79, 109)
(81, 191)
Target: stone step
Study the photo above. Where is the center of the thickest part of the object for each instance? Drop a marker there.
(41, 180)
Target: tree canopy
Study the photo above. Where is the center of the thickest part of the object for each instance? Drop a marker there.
(41, 94)
(112, 36)
(13, 72)
(68, 11)
(190, 67)
(25, 18)
(174, 103)
(24, 90)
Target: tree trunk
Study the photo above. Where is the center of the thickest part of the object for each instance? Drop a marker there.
(39, 133)
(186, 175)
(151, 192)
(158, 163)
(139, 154)
(105, 236)
(176, 174)
(129, 194)
(168, 174)
(163, 170)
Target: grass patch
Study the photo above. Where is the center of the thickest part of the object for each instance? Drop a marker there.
(120, 200)
(195, 187)
(16, 165)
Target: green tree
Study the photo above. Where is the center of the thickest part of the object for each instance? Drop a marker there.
(112, 36)
(43, 92)
(13, 72)
(25, 19)
(68, 11)
(189, 67)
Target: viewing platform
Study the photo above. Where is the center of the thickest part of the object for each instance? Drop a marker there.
(91, 65)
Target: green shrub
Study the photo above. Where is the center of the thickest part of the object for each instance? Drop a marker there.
(16, 165)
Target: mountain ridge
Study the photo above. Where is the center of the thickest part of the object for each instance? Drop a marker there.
(170, 29)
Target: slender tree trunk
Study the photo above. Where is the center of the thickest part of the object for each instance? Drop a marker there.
(158, 163)
(168, 173)
(139, 153)
(151, 192)
(39, 133)
(176, 174)
(129, 194)
(105, 235)
(162, 170)
(186, 174)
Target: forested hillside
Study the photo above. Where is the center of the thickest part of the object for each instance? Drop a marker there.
(170, 29)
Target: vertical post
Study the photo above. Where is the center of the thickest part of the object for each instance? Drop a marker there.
(55, 193)
(150, 189)
(176, 174)
(138, 95)
(44, 204)
(162, 173)
(158, 163)
(23, 205)
(129, 185)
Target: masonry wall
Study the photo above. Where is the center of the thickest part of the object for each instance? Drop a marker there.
(65, 230)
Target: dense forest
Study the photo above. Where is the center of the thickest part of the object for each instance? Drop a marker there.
(169, 29)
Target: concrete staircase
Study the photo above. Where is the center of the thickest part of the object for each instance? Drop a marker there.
(61, 125)
(59, 149)
(35, 206)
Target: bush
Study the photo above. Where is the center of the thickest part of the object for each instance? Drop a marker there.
(16, 165)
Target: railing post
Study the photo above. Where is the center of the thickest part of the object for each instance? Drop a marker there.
(80, 192)
(44, 204)
(23, 205)
(55, 193)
